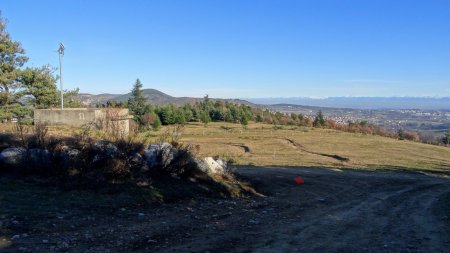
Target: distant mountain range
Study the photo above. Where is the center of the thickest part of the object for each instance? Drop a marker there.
(153, 97)
(371, 103)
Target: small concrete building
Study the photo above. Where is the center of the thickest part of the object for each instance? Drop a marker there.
(116, 120)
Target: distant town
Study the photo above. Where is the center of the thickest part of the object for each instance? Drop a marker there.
(429, 124)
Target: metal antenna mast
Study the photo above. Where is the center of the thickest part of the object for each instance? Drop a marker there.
(61, 53)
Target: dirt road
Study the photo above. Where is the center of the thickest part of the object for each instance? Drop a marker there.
(334, 211)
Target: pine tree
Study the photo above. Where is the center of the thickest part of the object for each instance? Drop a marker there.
(12, 57)
(319, 120)
(244, 121)
(446, 139)
(136, 103)
(41, 84)
(205, 118)
(401, 134)
(157, 123)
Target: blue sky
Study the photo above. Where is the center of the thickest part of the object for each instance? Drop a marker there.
(243, 48)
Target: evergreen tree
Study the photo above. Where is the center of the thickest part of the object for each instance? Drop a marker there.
(401, 134)
(319, 120)
(446, 139)
(156, 124)
(12, 57)
(244, 121)
(136, 103)
(205, 118)
(41, 84)
(294, 116)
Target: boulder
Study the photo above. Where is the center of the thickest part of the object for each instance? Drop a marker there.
(222, 163)
(106, 149)
(13, 156)
(211, 166)
(66, 155)
(39, 157)
(136, 159)
(161, 154)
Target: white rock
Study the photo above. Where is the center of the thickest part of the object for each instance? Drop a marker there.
(213, 165)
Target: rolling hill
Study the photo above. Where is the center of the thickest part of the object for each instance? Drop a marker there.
(153, 97)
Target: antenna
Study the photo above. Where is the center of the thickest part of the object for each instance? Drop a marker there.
(61, 53)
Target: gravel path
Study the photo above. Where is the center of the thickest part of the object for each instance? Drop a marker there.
(334, 211)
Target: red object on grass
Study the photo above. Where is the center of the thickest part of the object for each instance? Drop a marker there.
(299, 180)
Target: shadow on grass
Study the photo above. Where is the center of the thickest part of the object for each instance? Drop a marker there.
(302, 148)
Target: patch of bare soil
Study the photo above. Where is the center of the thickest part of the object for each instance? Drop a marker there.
(334, 211)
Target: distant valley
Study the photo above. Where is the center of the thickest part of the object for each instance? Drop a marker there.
(430, 124)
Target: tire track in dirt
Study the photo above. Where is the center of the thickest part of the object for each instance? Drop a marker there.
(333, 211)
(383, 212)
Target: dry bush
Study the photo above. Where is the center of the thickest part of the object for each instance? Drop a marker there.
(83, 138)
(22, 129)
(40, 132)
(411, 136)
(131, 144)
(172, 135)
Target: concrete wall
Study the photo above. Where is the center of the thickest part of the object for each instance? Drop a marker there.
(107, 119)
(75, 117)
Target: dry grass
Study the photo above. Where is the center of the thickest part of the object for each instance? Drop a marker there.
(295, 146)
(299, 146)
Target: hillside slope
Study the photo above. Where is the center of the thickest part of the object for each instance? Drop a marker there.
(266, 145)
(153, 96)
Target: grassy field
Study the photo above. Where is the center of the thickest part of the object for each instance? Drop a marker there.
(262, 144)
(267, 145)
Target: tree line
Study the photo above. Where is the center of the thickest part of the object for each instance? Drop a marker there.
(152, 117)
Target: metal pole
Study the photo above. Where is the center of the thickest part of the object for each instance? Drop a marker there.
(61, 80)
(61, 53)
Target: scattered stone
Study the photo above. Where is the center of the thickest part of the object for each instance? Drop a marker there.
(137, 160)
(15, 237)
(64, 245)
(253, 222)
(44, 241)
(12, 156)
